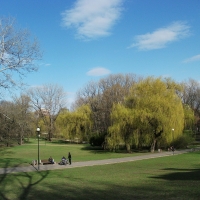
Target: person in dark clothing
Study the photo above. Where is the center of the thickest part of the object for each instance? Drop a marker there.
(51, 160)
(172, 148)
(70, 158)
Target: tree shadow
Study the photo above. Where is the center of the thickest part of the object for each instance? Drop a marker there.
(25, 188)
(88, 189)
(180, 174)
(31, 182)
(95, 149)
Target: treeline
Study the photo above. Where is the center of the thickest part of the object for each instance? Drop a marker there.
(140, 112)
(119, 110)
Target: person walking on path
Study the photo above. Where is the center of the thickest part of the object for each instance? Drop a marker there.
(70, 158)
(172, 148)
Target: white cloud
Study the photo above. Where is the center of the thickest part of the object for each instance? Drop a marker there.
(162, 36)
(45, 64)
(192, 59)
(92, 18)
(98, 71)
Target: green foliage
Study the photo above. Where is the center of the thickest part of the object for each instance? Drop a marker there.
(123, 126)
(61, 124)
(184, 140)
(189, 116)
(151, 111)
(77, 124)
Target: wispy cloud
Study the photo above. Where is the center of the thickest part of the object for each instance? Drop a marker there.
(92, 18)
(98, 71)
(45, 64)
(192, 59)
(162, 36)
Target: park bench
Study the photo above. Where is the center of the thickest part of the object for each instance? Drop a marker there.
(43, 162)
(46, 162)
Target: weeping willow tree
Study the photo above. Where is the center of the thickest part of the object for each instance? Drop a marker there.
(159, 107)
(122, 129)
(189, 117)
(62, 122)
(153, 109)
(77, 124)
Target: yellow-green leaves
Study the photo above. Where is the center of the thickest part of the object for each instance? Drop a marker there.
(152, 108)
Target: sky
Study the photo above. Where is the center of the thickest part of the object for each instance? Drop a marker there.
(86, 40)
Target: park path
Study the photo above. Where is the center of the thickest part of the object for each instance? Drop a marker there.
(89, 163)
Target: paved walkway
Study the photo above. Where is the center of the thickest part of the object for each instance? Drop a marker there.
(89, 163)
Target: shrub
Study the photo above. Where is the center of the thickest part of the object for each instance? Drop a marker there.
(183, 141)
(96, 140)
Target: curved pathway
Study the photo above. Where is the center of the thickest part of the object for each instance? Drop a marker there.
(89, 163)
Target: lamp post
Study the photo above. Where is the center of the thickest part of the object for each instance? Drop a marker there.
(173, 141)
(38, 132)
(173, 133)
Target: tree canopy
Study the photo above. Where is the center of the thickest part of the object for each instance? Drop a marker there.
(154, 108)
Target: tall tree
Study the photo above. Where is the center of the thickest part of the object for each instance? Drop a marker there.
(23, 116)
(18, 118)
(152, 108)
(48, 101)
(191, 97)
(101, 96)
(76, 124)
(18, 53)
(7, 128)
(159, 108)
(122, 128)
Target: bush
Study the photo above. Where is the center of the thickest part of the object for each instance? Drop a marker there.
(183, 141)
(96, 140)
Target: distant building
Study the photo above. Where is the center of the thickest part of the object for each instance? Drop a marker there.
(42, 112)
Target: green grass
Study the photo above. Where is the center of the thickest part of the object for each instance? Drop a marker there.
(24, 154)
(171, 177)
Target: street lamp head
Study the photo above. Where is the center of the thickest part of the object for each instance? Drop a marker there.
(38, 129)
(173, 129)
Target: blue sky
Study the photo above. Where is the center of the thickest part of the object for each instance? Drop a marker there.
(84, 40)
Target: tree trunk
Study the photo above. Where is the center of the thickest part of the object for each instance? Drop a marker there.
(21, 139)
(128, 148)
(153, 146)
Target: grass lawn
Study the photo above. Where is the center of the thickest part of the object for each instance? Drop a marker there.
(171, 177)
(24, 154)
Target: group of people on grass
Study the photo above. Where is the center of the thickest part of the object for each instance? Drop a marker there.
(63, 161)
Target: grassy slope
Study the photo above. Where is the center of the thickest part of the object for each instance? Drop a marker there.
(23, 155)
(172, 177)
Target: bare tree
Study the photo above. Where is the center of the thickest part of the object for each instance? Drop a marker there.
(17, 118)
(102, 94)
(23, 116)
(18, 53)
(191, 97)
(48, 101)
(6, 120)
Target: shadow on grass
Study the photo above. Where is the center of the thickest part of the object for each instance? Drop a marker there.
(31, 187)
(13, 162)
(18, 180)
(180, 174)
(95, 149)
